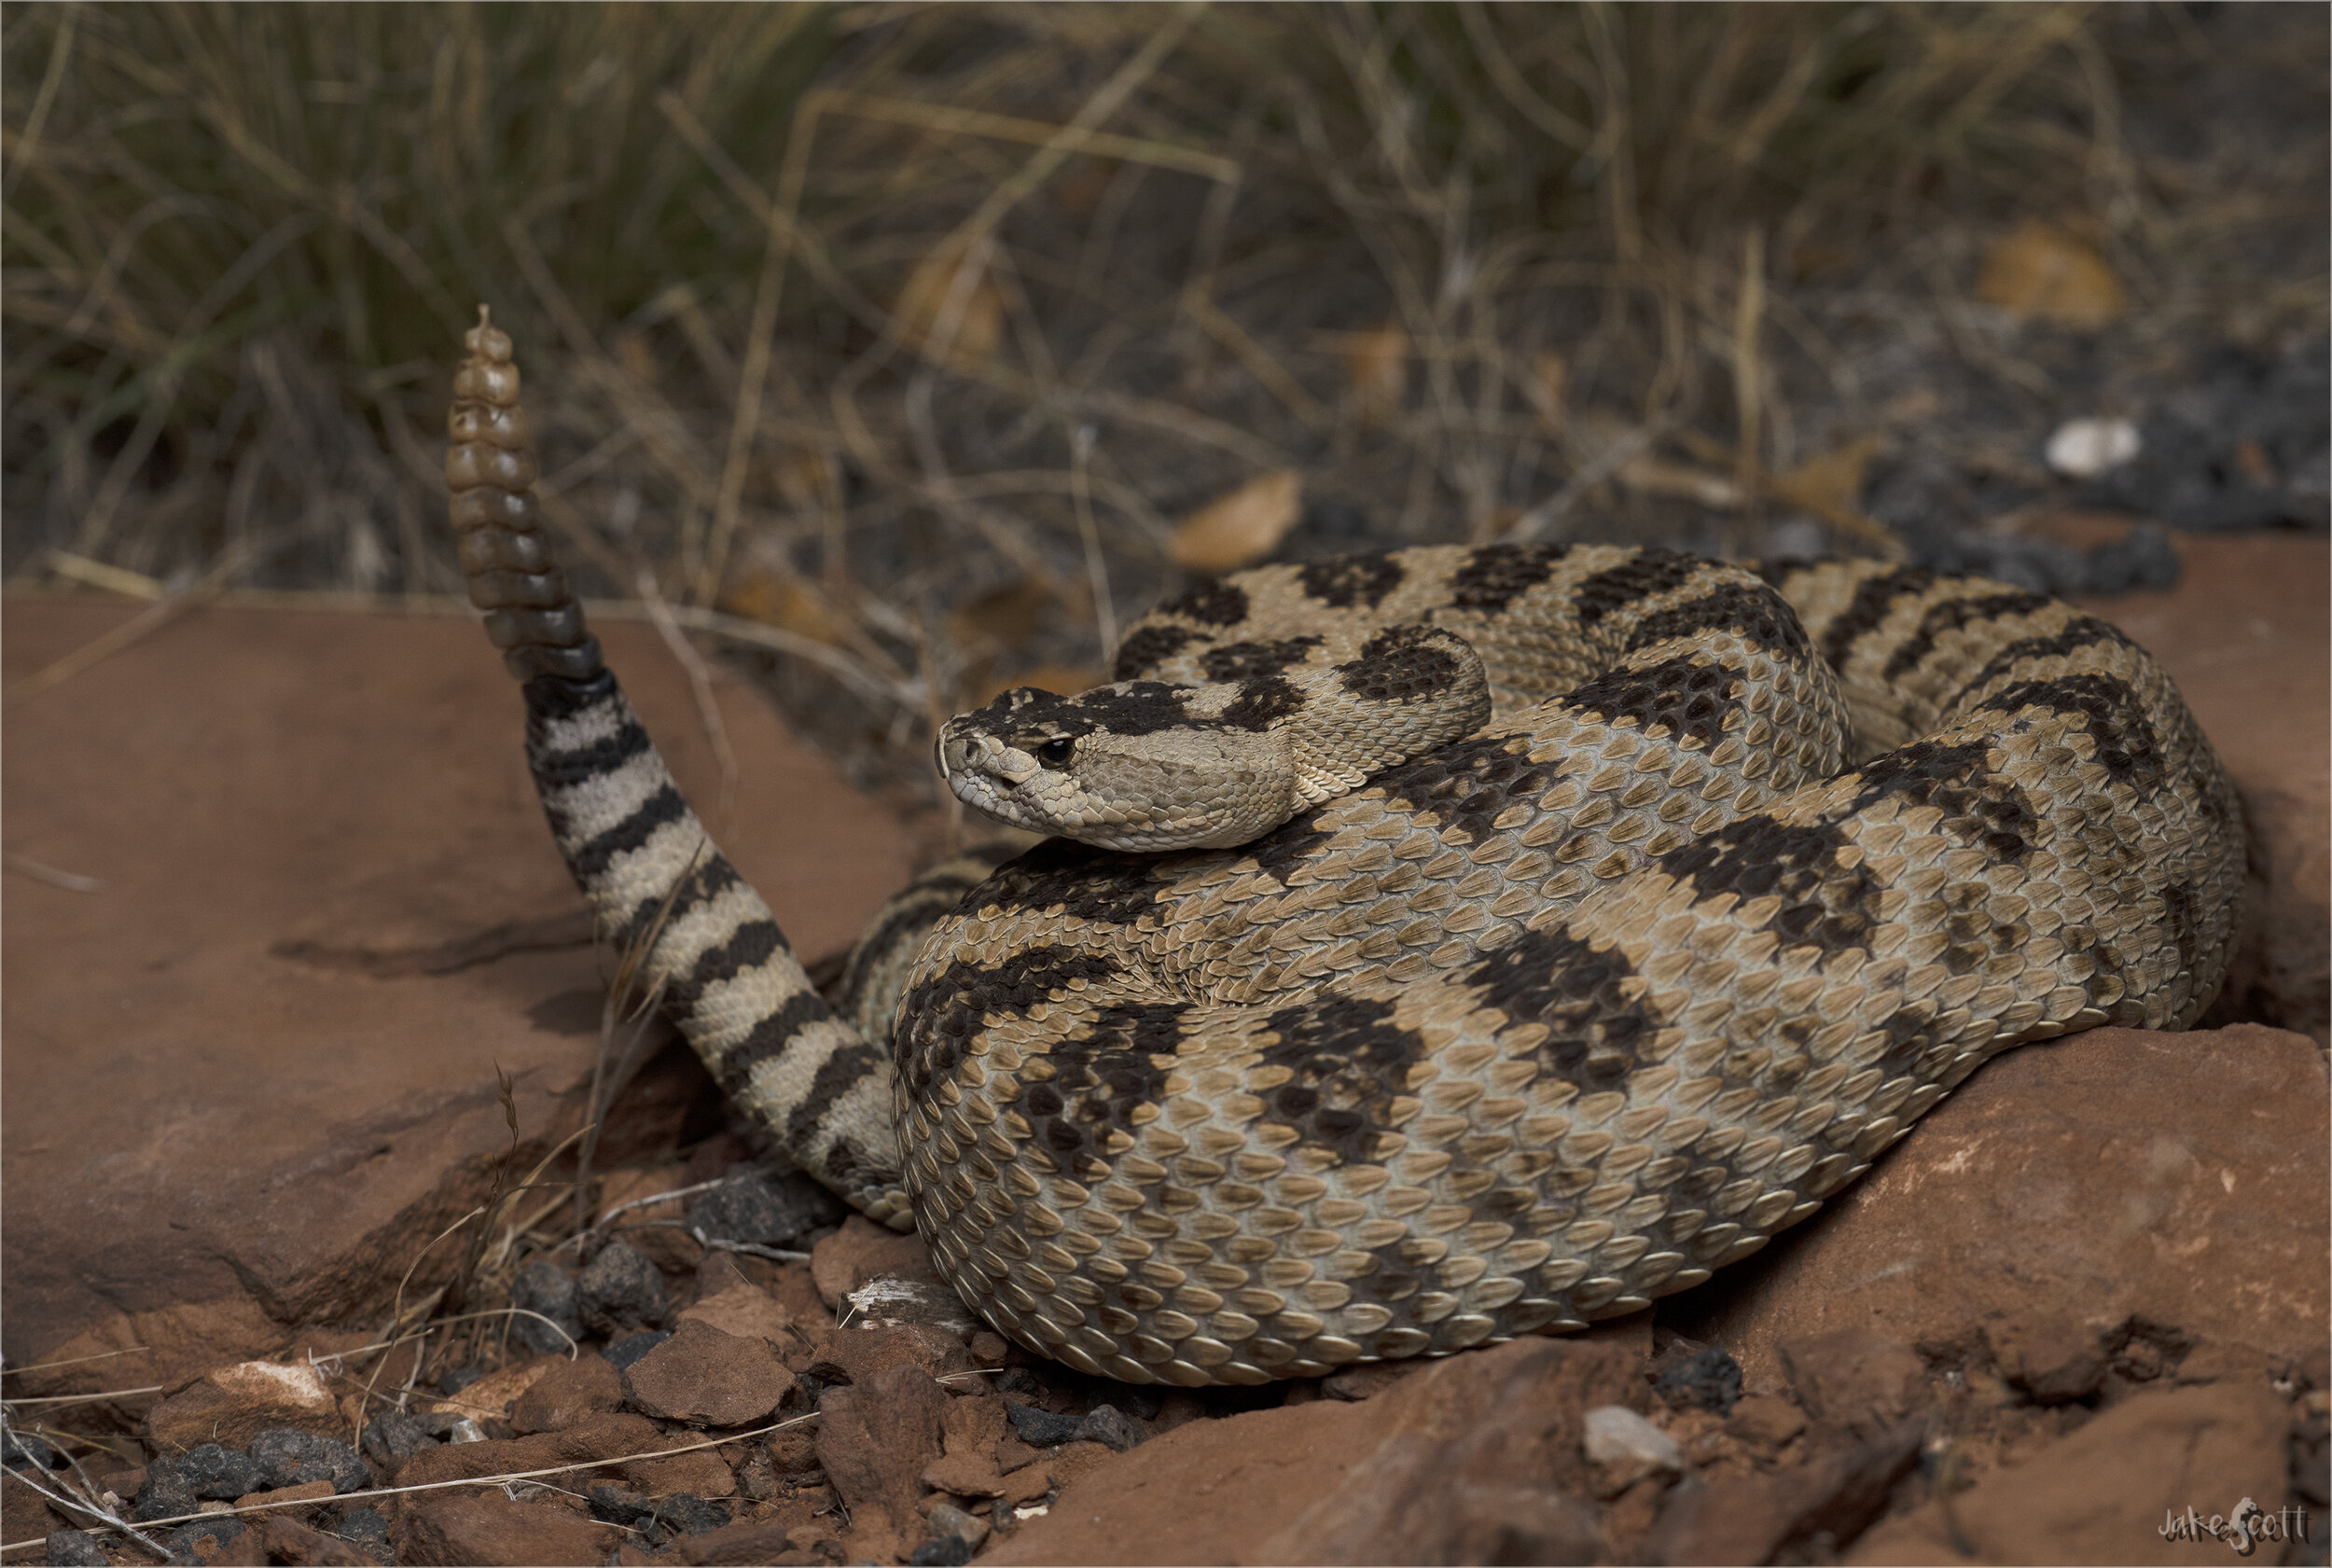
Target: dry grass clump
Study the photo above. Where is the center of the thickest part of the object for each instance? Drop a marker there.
(908, 332)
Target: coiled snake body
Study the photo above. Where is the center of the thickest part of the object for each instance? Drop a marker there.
(1746, 872)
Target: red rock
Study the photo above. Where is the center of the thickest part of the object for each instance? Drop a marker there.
(862, 1251)
(2178, 1179)
(1763, 1422)
(229, 1544)
(492, 1396)
(568, 1392)
(2053, 1359)
(704, 1375)
(857, 1354)
(745, 1310)
(701, 1474)
(874, 1439)
(1473, 1459)
(971, 1427)
(794, 1451)
(964, 1475)
(1858, 1382)
(235, 1403)
(2102, 1494)
(488, 1529)
(366, 815)
(745, 1542)
(1836, 1493)
(26, 1517)
(287, 1540)
(306, 1492)
(973, 1422)
(601, 1437)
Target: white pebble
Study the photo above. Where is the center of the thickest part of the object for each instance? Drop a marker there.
(2084, 446)
(1628, 1448)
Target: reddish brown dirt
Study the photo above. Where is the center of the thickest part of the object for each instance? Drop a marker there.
(236, 1100)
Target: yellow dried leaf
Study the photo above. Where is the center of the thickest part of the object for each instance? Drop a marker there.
(1832, 482)
(1378, 363)
(2043, 271)
(1241, 528)
(964, 337)
(803, 475)
(1548, 386)
(636, 355)
(1830, 487)
(1006, 617)
(785, 602)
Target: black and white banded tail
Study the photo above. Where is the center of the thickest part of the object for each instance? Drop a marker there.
(653, 876)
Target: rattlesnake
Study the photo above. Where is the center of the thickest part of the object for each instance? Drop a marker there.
(1746, 872)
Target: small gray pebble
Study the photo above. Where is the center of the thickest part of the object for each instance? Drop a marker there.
(15, 1452)
(1106, 1423)
(1042, 1429)
(691, 1515)
(366, 1528)
(542, 1286)
(1709, 1380)
(620, 1292)
(166, 1494)
(393, 1437)
(763, 1208)
(219, 1473)
(76, 1548)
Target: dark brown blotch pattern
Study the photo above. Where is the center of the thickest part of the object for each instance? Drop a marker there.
(1352, 580)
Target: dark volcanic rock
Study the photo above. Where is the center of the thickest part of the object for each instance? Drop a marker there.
(620, 1292)
(765, 1208)
(289, 1457)
(221, 1473)
(542, 1286)
(1708, 1379)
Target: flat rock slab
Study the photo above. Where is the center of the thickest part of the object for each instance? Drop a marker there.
(2072, 1187)
(254, 1072)
(1475, 1459)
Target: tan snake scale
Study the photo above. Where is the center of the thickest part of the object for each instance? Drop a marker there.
(1748, 869)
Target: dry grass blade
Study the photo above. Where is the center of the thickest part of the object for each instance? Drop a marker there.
(130, 632)
(700, 688)
(922, 248)
(25, 866)
(245, 1509)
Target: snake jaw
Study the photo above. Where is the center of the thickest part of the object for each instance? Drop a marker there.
(963, 755)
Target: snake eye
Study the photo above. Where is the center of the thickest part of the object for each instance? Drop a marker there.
(1055, 752)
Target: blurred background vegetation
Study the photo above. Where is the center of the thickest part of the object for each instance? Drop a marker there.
(909, 349)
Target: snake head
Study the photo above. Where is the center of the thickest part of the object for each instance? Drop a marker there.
(1138, 766)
